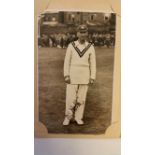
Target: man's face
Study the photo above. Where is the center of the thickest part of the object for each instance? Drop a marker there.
(82, 36)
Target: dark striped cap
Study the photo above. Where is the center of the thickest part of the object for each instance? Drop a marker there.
(82, 28)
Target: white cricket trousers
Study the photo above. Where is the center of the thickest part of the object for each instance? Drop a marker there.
(75, 100)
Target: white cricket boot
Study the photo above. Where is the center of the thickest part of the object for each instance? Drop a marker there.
(79, 121)
(66, 121)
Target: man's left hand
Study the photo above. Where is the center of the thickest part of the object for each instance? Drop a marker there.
(91, 82)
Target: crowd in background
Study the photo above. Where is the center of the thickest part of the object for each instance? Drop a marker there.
(61, 40)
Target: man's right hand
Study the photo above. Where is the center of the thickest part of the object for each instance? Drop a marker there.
(67, 79)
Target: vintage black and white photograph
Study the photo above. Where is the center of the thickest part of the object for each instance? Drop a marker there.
(75, 71)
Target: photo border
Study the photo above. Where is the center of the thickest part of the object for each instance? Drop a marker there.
(106, 6)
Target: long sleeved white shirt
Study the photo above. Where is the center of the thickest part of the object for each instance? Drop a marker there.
(80, 63)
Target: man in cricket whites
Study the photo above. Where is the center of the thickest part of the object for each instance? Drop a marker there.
(79, 73)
